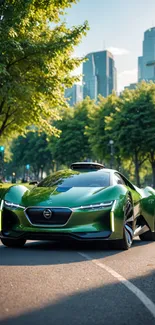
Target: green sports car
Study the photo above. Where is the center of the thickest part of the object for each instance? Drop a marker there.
(85, 203)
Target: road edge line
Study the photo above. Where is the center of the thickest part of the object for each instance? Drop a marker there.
(138, 293)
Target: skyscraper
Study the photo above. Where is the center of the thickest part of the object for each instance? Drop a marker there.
(146, 62)
(99, 74)
(74, 94)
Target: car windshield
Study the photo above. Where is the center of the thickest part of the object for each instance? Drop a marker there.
(93, 179)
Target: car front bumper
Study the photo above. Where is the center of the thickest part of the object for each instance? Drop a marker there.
(81, 226)
(79, 236)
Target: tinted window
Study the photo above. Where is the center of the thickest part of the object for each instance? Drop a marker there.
(118, 179)
(93, 179)
(127, 182)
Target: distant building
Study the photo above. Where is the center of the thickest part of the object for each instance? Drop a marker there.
(140, 68)
(99, 75)
(74, 94)
(131, 86)
(146, 62)
(115, 79)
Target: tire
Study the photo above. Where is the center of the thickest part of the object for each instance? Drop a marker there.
(127, 240)
(147, 236)
(13, 242)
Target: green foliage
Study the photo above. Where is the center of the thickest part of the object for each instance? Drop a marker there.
(133, 124)
(7, 152)
(87, 128)
(99, 134)
(72, 145)
(32, 149)
(35, 63)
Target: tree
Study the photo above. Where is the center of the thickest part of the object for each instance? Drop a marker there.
(73, 143)
(98, 133)
(33, 150)
(35, 63)
(131, 125)
(147, 105)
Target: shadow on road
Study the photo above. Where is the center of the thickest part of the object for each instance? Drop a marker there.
(46, 253)
(105, 305)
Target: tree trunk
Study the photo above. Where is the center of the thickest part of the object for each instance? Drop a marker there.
(34, 169)
(41, 172)
(137, 169)
(119, 165)
(153, 175)
(152, 161)
(57, 165)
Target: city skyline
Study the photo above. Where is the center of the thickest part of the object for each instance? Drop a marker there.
(117, 27)
(99, 74)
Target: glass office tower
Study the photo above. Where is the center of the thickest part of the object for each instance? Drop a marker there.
(146, 63)
(99, 74)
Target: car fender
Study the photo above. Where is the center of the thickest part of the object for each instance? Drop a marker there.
(14, 193)
(119, 195)
(147, 207)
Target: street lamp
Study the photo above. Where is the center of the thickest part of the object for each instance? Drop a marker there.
(28, 170)
(111, 142)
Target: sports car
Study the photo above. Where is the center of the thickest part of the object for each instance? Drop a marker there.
(88, 204)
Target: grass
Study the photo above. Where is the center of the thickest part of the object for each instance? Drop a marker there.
(7, 185)
(3, 188)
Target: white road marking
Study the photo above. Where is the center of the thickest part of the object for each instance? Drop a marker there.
(138, 293)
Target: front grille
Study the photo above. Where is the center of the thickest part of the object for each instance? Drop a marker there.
(41, 216)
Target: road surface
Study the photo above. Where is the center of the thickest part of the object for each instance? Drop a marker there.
(68, 284)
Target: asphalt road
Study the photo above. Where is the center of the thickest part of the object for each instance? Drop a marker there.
(56, 284)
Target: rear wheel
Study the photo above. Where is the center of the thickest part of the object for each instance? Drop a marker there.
(147, 236)
(127, 240)
(13, 242)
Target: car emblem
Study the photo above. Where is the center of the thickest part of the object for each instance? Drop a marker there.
(47, 213)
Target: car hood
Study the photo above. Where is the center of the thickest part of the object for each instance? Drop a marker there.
(64, 197)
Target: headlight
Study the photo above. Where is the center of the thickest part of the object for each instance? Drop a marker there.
(96, 206)
(8, 204)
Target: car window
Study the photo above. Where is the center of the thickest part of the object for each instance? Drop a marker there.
(93, 179)
(118, 179)
(127, 182)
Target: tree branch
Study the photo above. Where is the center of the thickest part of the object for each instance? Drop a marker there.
(62, 43)
(1, 105)
(4, 125)
(142, 161)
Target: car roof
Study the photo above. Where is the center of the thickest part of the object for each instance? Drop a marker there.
(109, 170)
(84, 165)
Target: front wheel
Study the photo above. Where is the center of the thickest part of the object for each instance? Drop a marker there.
(127, 240)
(147, 236)
(13, 242)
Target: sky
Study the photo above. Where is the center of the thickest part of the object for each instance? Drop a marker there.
(117, 25)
